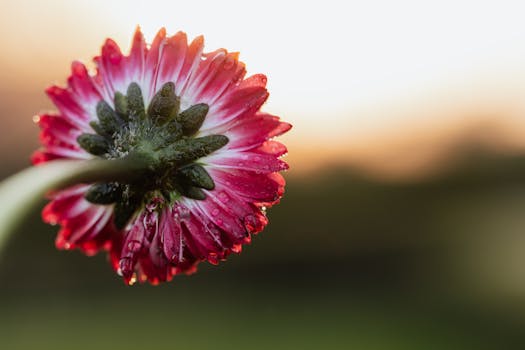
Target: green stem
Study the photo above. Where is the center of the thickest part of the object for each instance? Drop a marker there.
(20, 193)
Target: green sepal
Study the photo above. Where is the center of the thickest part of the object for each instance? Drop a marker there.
(124, 211)
(188, 150)
(197, 176)
(98, 129)
(103, 193)
(192, 118)
(164, 105)
(93, 143)
(174, 130)
(121, 105)
(109, 120)
(135, 102)
(192, 192)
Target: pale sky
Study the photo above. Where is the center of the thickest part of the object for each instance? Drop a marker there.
(338, 70)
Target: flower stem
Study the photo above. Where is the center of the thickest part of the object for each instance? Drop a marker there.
(20, 193)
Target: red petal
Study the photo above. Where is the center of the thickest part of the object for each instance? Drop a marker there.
(57, 131)
(274, 148)
(135, 62)
(112, 69)
(172, 235)
(82, 84)
(252, 161)
(199, 241)
(152, 64)
(224, 218)
(70, 109)
(254, 131)
(238, 104)
(172, 60)
(264, 188)
(41, 156)
(83, 224)
(219, 71)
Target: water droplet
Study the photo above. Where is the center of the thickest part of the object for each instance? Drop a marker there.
(36, 118)
(184, 213)
(213, 230)
(224, 197)
(215, 212)
(67, 246)
(125, 266)
(134, 246)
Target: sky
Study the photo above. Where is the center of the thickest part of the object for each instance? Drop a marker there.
(355, 78)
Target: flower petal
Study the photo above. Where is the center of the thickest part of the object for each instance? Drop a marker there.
(135, 62)
(254, 131)
(239, 103)
(152, 64)
(273, 148)
(260, 188)
(177, 62)
(245, 160)
(86, 91)
(66, 102)
(216, 73)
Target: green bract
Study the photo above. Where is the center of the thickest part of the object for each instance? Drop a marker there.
(163, 137)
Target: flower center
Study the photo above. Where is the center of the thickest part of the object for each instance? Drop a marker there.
(161, 136)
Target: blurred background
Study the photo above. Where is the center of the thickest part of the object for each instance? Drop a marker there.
(403, 222)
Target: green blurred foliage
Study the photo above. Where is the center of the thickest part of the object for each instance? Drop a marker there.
(347, 262)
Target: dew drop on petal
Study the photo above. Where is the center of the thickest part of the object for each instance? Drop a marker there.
(36, 118)
(184, 213)
(215, 212)
(134, 246)
(125, 266)
(223, 197)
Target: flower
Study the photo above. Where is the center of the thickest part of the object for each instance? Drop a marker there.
(211, 166)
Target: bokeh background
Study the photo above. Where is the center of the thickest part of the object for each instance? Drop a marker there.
(403, 222)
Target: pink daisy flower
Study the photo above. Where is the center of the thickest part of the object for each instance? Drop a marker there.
(195, 120)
